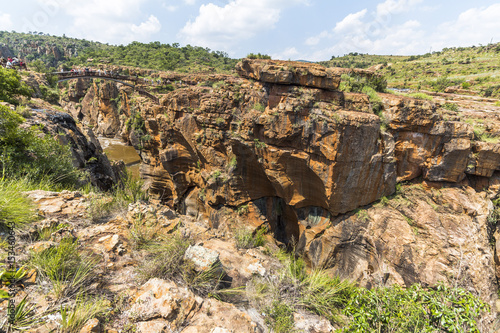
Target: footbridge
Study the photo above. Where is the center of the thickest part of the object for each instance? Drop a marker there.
(131, 81)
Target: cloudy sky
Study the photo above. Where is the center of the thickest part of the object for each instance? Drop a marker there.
(285, 29)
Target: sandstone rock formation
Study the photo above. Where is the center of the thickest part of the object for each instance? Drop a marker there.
(300, 154)
(283, 145)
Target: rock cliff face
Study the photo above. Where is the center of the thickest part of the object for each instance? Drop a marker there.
(282, 145)
(291, 137)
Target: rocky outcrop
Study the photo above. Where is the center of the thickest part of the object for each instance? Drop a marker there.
(86, 150)
(300, 157)
(287, 72)
(295, 147)
(419, 235)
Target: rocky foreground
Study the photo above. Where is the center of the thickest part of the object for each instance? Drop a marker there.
(399, 197)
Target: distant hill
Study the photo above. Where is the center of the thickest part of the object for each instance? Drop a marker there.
(475, 68)
(62, 51)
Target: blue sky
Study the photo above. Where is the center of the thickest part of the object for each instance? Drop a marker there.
(285, 29)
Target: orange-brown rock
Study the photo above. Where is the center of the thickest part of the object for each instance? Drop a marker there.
(288, 72)
(424, 236)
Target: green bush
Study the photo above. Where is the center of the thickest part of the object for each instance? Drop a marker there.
(415, 309)
(450, 106)
(11, 86)
(50, 95)
(353, 82)
(420, 95)
(31, 154)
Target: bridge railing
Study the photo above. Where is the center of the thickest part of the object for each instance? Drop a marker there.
(96, 74)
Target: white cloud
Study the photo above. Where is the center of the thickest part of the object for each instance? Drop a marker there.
(472, 27)
(351, 23)
(314, 40)
(112, 21)
(221, 27)
(373, 32)
(5, 21)
(189, 2)
(151, 26)
(288, 53)
(170, 8)
(392, 7)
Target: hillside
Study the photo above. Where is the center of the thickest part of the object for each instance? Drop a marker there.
(473, 68)
(60, 52)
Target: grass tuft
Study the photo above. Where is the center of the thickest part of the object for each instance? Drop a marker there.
(15, 209)
(84, 309)
(64, 267)
(246, 239)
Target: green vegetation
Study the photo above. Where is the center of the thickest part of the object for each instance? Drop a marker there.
(415, 309)
(165, 260)
(279, 316)
(474, 68)
(68, 271)
(450, 106)
(11, 86)
(128, 191)
(420, 95)
(31, 154)
(15, 208)
(154, 55)
(259, 107)
(246, 239)
(73, 319)
(258, 56)
(24, 317)
(292, 288)
(354, 82)
(381, 309)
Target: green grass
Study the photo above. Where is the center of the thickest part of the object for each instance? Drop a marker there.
(279, 316)
(64, 267)
(25, 317)
(293, 288)
(85, 308)
(46, 232)
(246, 239)
(15, 209)
(103, 206)
(165, 260)
(420, 95)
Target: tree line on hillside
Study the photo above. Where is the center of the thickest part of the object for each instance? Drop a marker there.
(63, 51)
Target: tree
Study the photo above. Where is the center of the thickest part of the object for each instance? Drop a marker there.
(11, 86)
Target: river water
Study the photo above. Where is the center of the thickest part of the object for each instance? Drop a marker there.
(116, 150)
